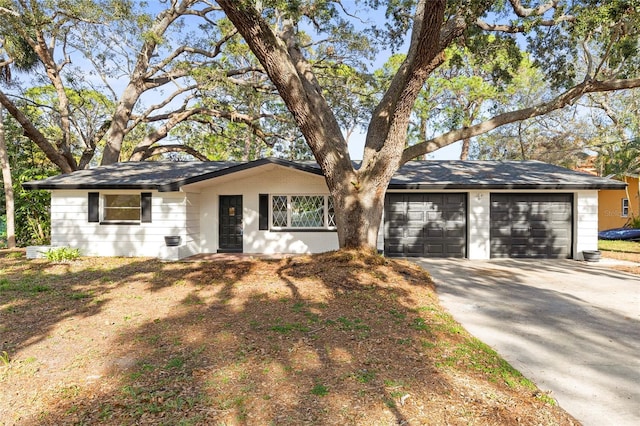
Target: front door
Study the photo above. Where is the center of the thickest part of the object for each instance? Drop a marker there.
(230, 233)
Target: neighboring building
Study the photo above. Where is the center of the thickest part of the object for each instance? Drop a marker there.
(472, 209)
(617, 206)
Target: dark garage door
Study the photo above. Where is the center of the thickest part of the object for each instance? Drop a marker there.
(531, 225)
(425, 225)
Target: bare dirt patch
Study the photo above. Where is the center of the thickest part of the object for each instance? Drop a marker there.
(339, 338)
(626, 256)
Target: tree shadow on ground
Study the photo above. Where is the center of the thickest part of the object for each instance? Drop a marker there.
(323, 340)
(567, 321)
(53, 292)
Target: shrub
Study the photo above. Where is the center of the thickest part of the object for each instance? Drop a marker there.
(62, 254)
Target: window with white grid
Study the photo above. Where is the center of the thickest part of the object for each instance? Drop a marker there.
(279, 212)
(302, 212)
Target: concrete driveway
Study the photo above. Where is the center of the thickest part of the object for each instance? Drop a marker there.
(571, 327)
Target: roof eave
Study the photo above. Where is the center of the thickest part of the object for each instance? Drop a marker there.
(68, 186)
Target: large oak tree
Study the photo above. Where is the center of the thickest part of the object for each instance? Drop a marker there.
(150, 64)
(603, 33)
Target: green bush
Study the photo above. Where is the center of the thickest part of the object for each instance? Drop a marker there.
(62, 254)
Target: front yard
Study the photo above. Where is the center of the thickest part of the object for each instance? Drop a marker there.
(622, 250)
(338, 338)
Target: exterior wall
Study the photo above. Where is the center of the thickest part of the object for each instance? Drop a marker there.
(273, 180)
(193, 215)
(610, 205)
(478, 225)
(585, 219)
(70, 227)
(192, 224)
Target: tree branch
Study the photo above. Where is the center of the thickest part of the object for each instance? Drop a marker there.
(292, 75)
(38, 138)
(566, 98)
(163, 149)
(525, 12)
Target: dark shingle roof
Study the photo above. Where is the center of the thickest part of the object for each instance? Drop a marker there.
(428, 174)
(445, 174)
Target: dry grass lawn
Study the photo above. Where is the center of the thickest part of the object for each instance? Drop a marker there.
(622, 250)
(341, 338)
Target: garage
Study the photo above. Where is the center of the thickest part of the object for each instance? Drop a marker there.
(425, 224)
(531, 225)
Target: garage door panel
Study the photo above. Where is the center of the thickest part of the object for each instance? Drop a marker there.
(415, 249)
(435, 249)
(395, 232)
(455, 232)
(431, 225)
(452, 217)
(454, 248)
(414, 232)
(435, 233)
(531, 225)
(394, 248)
(539, 233)
(560, 216)
(396, 216)
(415, 216)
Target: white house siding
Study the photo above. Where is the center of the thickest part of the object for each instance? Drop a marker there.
(70, 227)
(192, 225)
(272, 180)
(586, 222)
(478, 225)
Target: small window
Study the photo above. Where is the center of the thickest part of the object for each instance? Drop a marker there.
(122, 208)
(625, 207)
(302, 212)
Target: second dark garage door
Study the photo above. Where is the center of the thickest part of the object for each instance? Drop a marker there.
(531, 225)
(425, 225)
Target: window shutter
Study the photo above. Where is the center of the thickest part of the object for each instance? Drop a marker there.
(145, 207)
(263, 222)
(93, 201)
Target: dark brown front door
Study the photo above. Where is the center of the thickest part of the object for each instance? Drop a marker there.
(230, 234)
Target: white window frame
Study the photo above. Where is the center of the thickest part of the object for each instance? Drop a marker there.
(624, 212)
(103, 208)
(325, 211)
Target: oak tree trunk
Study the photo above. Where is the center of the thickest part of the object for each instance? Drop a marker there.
(358, 215)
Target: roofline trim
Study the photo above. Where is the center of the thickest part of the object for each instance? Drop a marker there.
(37, 185)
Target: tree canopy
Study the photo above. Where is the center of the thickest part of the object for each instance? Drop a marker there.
(275, 71)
